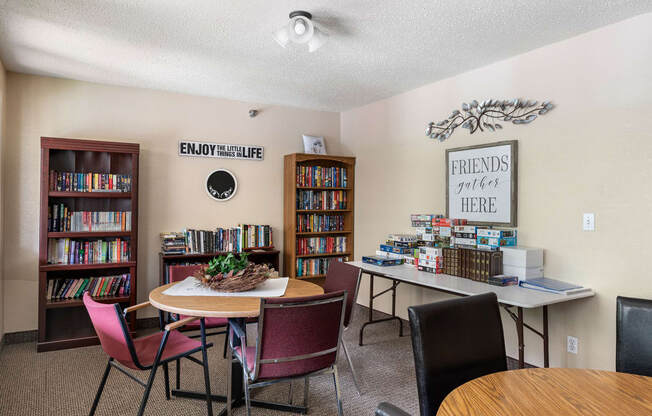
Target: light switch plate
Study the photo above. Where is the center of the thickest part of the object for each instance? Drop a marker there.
(588, 222)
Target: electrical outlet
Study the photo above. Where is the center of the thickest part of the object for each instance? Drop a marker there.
(588, 222)
(572, 344)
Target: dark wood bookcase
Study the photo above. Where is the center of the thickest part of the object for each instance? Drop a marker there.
(290, 195)
(257, 255)
(65, 323)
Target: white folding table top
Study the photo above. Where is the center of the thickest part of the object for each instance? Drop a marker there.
(508, 295)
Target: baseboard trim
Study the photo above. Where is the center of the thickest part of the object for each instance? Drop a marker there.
(20, 337)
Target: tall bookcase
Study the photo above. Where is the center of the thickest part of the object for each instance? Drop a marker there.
(295, 213)
(65, 323)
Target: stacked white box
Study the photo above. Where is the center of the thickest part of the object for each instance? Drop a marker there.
(524, 262)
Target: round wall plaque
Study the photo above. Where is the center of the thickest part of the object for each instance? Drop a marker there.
(221, 185)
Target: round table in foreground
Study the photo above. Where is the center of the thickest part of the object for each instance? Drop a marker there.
(551, 391)
(224, 306)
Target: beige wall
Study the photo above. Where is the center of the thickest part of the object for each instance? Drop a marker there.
(2, 145)
(171, 192)
(593, 153)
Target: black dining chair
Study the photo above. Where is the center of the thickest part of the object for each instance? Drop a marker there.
(454, 341)
(634, 336)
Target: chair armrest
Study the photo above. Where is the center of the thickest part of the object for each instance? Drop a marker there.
(136, 307)
(176, 324)
(388, 409)
(239, 331)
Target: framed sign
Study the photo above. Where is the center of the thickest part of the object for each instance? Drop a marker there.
(221, 185)
(481, 183)
(222, 151)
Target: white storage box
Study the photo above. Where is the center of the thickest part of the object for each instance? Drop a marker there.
(520, 256)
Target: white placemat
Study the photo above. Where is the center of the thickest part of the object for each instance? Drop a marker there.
(270, 288)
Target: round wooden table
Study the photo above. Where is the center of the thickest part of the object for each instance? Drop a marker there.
(224, 306)
(551, 391)
(236, 309)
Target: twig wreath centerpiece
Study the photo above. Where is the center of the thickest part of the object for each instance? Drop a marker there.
(479, 116)
(231, 274)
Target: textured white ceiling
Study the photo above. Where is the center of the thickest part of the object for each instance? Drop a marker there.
(224, 48)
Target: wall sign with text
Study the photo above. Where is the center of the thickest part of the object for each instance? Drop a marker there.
(222, 151)
(221, 185)
(481, 183)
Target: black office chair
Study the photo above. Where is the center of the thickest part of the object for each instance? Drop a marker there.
(454, 341)
(634, 336)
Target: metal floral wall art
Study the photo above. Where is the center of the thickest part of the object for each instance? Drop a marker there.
(485, 115)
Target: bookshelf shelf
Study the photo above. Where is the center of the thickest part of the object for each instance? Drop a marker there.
(300, 256)
(62, 194)
(65, 323)
(78, 302)
(312, 276)
(308, 233)
(89, 234)
(334, 166)
(92, 266)
(324, 188)
(300, 211)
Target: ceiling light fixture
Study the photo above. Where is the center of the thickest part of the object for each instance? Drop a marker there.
(301, 29)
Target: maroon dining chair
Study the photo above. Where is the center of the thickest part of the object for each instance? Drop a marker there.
(144, 353)
(342, 276)
(289, 345)
(177, 274)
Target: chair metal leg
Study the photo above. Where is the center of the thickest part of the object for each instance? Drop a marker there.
(338, 395)
(152, 373)
(290, 393)
(247, 393)
(226, 342)
(166, 372)
(306, 392)
(101, 388)
(355, 376)
(204, 357)
(229, 384)
(178, 374)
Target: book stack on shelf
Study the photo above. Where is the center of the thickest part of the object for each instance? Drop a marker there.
(62, 219)
(98, 287)
(88, 235)
(89, 182)
(173, 243)
(318, 219)
(192, 247)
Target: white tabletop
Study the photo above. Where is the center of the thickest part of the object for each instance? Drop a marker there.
(508, 295)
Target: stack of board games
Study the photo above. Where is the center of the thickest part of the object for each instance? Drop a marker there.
(382, 261)
(494, 239)
(465, 236)
(430, 259)
(400, 246)
(502, 280)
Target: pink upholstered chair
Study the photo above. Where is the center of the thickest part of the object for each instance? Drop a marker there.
(342, 276)
(144, 353)
(297, 338)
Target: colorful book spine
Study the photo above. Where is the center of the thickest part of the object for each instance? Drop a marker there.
(89, 182)
(321, 245)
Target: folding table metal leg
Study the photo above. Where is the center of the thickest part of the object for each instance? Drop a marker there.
(521, 342)
(546, 346)
(372, 296)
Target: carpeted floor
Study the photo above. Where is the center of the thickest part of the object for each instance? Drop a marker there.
(64, 382)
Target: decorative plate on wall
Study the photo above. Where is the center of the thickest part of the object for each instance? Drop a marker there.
(221, 185)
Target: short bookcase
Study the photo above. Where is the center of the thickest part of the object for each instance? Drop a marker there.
(65, 323)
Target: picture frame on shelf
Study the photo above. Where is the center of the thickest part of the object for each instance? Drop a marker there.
(314, 145)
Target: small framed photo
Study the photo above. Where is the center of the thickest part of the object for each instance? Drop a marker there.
(314, 145)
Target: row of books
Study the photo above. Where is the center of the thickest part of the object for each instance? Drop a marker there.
(316, 223)
(62, 219)
(108, 286)
(237, 239)
(321, 245)
(89, 182)
(308, 199)
(71, 251)
(318, 176)
(316, 266)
